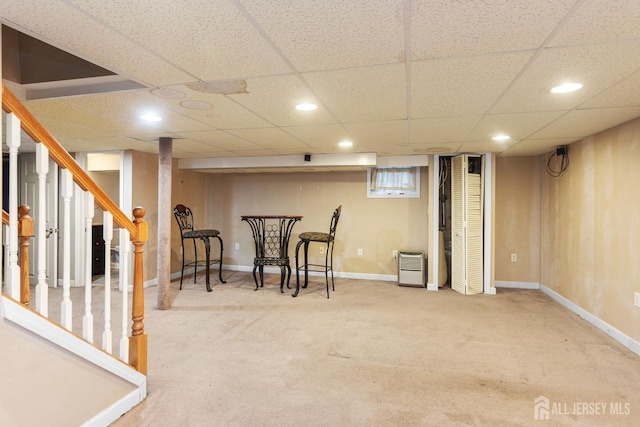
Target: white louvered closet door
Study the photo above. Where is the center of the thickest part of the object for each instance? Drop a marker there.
(466, 232)
(458, 229)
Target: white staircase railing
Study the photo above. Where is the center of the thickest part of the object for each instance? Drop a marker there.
(96, 321)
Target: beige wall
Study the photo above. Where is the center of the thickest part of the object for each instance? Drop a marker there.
(187, 187)
(590, 227)
(144, 191)
(576, 234)
(376, 225)
(190, 189)
(109, 181)
(517, 219)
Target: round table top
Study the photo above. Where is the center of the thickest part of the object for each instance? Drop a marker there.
(271, 216)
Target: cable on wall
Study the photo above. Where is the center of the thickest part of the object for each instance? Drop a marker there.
(563, 154)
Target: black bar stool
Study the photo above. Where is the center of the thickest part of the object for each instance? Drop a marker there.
(316, 236)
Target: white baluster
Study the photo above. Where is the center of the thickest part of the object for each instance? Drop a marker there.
(87, 320)
(5, 238)
(42, 290)
(12, 276)
(66, 190)
(108, 235)
(124, 288)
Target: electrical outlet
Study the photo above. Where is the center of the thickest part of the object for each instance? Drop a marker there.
(636, 299)
(359, 251)
(321, 250)
(394, 254)
(514, 257)
(236, 246)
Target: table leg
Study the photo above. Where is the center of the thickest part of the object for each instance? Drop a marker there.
(288, 275)
(283, 273)
(255, 279)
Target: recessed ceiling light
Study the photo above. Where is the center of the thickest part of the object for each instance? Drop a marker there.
(501, 137)
(151, 117)
(346, 144)
(566, 88)
(305, 106)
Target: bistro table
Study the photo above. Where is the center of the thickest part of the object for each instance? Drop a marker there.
(271, 235)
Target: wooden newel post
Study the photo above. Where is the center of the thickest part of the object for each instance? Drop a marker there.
(138, 339)
(25, 232)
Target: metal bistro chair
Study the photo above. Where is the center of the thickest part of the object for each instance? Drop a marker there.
(326, 238)
(184, 217)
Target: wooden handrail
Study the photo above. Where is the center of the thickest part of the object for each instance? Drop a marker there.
(39, 134)
(138, 229)
(5, 217)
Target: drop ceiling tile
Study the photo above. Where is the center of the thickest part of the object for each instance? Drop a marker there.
(220, 140)
(363, 94)
(517, 125)
(224, 112)
(581, 123)
(461, 86)
(65, 26)
(332, 34)
(228, 114)
(483, 146)
(259, 42)
(596, 21)
(274, 99)
(535, 147)
(442, 129)
(320, 136)
(446, 28)
(253, 153)
(436, 148)
(595, 66)
(395, 151)
(179, 154)
(625, 93)
(272, 138)
(65, 112)
(190, 146)
(379, 134)
(208, 39)
(125, 109)
(62, 129)
(109, 144)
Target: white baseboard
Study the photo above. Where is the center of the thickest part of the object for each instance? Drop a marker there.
(276, 270)
(432, 287)
(517, 285)
(614, 333)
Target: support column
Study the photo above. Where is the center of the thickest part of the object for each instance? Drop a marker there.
(164, 223)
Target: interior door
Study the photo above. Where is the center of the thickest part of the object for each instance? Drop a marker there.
(466, 225)
(29, 196)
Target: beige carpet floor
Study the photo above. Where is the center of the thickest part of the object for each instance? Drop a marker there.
(376, 354)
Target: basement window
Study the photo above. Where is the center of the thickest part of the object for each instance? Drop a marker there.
(394, 182)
